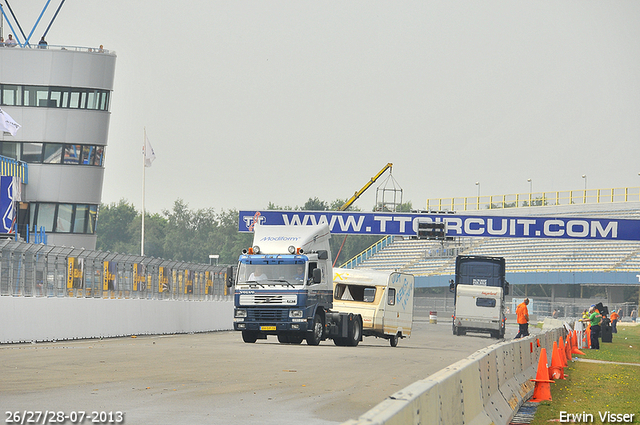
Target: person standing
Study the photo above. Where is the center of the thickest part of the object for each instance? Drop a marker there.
(522, 313)
(11, 42)
(594, 320)
(42, 44)
(614, 320)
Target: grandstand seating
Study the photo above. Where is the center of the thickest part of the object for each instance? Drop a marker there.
(428, 257)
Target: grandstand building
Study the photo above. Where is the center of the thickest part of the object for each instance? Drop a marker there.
(61, 97)
(554, 263)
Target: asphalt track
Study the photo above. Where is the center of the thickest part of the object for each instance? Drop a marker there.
(215, 378)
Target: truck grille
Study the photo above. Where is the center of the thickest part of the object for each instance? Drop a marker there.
(276, 299)
(271, 314)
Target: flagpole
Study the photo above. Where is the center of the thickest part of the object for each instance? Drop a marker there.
(144, 148)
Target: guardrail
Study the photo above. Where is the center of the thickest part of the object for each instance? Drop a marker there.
(535, 199)
(488, 387)
(35, 270)
(12, 167)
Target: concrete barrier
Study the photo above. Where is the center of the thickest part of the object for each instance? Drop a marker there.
(488, 387)
(25, 319)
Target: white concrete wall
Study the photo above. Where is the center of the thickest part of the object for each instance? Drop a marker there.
(24, 319)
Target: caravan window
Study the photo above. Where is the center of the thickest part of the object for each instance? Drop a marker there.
(365, 294)
(485, 302)
(391, 296)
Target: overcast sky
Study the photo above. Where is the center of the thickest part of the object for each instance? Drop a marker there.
(247, 103)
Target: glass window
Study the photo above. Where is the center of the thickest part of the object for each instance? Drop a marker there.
(65, 100)
(99, 155)
(83, 100)
(88, 155)
(32, 152)
(91, 224)
(72, 154)
(56, 97)
(75, 100)
(391, 296)
(36, 96)
(103, 101)
(80, 219)
(46, 213)
(11, 95)
(52, 153)
(93, 99)
(9, 149)
(63, 223)
(485, 302)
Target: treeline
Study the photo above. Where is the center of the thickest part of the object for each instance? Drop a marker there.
(192, 235)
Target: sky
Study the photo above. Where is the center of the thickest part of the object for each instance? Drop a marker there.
(252, 102)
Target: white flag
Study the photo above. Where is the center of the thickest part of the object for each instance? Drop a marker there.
(149, 154)
(8, 124)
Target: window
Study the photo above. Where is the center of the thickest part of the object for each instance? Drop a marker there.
(65, 214)
(63, 218)
(45, 216)
(54, 97)
(391, 296)
(80, 220)
(11, 95)
(52, 153)
(32, 152)
(93, 214)
(365, 294)
(485, 302)
(99, 155)
(88, 155)
(75, 100)
(72, 154)
(9, 149)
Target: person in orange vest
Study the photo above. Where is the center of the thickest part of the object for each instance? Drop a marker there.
(614, 321)
(522, 313)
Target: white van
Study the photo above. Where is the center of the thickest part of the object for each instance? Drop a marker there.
(383, 299)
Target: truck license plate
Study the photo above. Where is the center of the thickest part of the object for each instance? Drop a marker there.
(267, 328)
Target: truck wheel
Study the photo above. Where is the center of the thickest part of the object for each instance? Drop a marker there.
(393, 340)
(317, 329)
(340, 342)
(283, 339)
(355, 332)
(249, 337)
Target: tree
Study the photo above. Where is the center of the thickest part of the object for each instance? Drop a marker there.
(112, 225)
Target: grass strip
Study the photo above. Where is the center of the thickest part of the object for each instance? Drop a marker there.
(592, 389)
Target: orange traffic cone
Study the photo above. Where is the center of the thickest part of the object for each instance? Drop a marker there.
(542, 390)
(574, 348)
(562, 352)
(567, 349)
(556, 371)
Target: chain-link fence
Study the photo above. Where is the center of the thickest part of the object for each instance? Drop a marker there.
(36, 270)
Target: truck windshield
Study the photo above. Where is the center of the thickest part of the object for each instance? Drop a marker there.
(272, 273)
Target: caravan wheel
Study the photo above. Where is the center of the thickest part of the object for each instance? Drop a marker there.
(393, 340)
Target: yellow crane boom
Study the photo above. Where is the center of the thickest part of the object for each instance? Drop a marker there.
(365, 187)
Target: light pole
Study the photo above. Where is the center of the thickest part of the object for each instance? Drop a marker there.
(478, 184)
(530, 185)
(584, 176)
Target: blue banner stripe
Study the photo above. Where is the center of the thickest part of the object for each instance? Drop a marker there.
(406, 224)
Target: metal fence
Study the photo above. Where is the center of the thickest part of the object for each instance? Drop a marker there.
(535, 199)
(36, 270)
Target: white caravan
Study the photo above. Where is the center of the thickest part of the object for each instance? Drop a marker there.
(383, 299)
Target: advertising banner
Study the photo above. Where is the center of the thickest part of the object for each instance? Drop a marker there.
(407, 224)
(7, 203)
